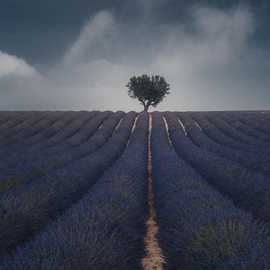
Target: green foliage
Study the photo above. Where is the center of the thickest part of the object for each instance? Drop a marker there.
(215, 242)
(150, 91)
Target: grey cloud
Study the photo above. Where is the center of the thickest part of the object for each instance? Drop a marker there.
(13, 65)
(211, 67)
(95, 37)
(41, 31)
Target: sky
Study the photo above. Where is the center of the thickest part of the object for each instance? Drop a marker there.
(80, 54)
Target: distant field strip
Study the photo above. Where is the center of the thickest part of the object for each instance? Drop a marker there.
(114, 190)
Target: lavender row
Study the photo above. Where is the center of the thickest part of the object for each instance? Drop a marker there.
(65, 132)
(236, 134)
(31, 120)
(7, 126)
(254, 161)
(220, 136)
(79, 137)
(10, 133)
(259, 137)
(40, 165)
(105, 229)
(248, 190)
(22, 149)
(9, 141)
(199, 228)
(22, 145)
(17, 153)
(26, 210)
(256, 121)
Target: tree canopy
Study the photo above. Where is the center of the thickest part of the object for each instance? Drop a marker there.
(150, 91)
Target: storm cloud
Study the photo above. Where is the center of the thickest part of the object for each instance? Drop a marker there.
(209, 57)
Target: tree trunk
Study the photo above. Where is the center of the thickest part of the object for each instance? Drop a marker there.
(145, 108)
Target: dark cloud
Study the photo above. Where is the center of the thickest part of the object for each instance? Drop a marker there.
(40, 31)
(80, 55)
(28, 28)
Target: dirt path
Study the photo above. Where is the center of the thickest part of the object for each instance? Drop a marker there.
(154, 259)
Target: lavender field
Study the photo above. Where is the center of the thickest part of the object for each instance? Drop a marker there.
(77, 190)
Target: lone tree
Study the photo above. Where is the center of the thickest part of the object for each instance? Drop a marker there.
(150, 91)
